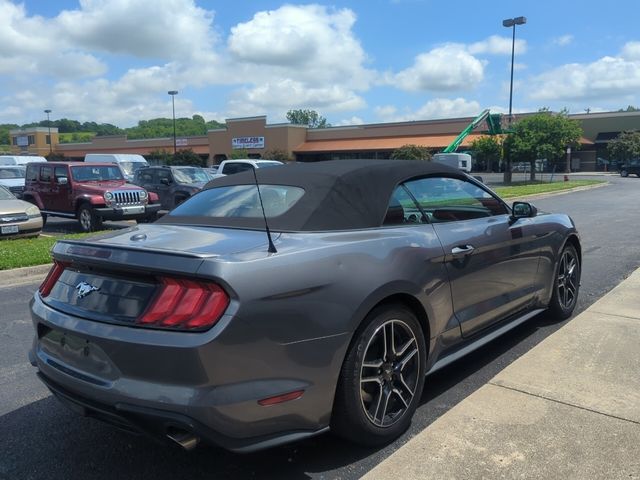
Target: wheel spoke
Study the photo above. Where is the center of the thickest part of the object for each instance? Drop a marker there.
(405, 346)
(383, 400)
(374, 379)
(373, 364)
(406, 387)
(406, 358)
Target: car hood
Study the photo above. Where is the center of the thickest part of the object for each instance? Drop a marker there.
(198, 241)
(12, 182)
(100, 187)
(13, 206)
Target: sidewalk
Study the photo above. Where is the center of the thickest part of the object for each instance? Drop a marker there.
(567, 409)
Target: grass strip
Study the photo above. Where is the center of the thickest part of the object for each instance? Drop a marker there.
(26, 252)
(513, 191)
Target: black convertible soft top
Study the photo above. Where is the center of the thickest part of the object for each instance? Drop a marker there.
(339, 194)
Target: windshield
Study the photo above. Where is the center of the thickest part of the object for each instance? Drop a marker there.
(129, 168)
(240, 201)
(190, 175)
(6, 194)
(12, 172)
(88, 173)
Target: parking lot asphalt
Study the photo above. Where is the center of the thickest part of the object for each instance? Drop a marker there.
(61, 445)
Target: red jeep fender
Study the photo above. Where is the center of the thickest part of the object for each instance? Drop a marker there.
(94, 200)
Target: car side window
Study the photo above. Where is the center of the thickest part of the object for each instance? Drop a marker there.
(445, 199)
(46, 173)
(32, 173)
(60, 172)
(164, 174)
(402, 209)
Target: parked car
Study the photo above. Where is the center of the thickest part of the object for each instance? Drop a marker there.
(12, 177)
(128, 162)
(632, 167)
(17, 217)
(20, 159)
(89, 192)
(372, 275)
(229, 167)
(173, 185)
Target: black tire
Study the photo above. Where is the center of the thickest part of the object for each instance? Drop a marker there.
(624, 173)
(566, 284)
(88, 220)
(371, 376)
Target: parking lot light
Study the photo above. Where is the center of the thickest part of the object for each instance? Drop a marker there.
(173, 94)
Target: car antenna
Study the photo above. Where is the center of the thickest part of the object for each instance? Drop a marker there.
(272, 247)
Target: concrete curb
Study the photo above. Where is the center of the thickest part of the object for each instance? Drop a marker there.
(19, 276)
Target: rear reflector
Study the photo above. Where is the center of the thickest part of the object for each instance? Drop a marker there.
(52, 277)
(265, 402)
(185, 304)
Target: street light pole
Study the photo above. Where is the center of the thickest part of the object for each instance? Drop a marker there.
(173, 94)
(511, 23)
(48, 111)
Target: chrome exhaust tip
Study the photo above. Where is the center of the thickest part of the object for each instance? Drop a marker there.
(186, 440)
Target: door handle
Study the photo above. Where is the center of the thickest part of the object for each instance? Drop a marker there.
(462, 250)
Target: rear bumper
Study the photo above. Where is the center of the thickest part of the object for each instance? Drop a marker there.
(157, 424)
(208, 383)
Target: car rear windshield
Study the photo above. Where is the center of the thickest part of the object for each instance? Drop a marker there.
(88, 173)
(239, 201)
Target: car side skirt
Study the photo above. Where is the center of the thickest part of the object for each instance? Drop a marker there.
(481, 341)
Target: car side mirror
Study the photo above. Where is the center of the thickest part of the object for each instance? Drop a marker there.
(62, 180)
(523, 210)
(165, 181)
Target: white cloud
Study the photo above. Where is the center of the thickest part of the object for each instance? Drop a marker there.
(29, 46)
(286, 94)
(298, 57)
(436, 108)
(496, 45)
(355, 120)
(606, 78)
(174, 29)
(631, 51)
(563, 40)
(446, 68)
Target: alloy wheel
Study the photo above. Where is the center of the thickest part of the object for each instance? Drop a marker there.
(85, 220)
(567, 284)
(389, 373)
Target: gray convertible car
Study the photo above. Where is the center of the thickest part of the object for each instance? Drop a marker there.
(277, 304)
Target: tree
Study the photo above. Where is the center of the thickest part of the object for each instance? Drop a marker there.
(310, 118)
(630, 108)
(275, 154)
(543, 135)
(187, 157)
(411, 152)
(625, 146)
(487, 150)
(239, 153)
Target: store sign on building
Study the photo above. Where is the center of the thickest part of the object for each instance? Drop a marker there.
(247, 142)
(181, 142)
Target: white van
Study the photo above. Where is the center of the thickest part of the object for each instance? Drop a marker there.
(20, 159)
(128, 162)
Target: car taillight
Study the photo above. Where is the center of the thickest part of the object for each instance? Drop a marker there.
(52, 277)
(185, 304)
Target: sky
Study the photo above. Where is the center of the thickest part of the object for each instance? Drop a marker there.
(354, 62)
